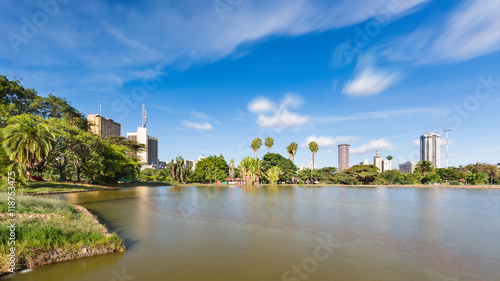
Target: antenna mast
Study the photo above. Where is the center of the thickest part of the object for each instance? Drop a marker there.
(144, 116)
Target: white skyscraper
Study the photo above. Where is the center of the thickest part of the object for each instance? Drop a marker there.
(430, 148)
(149, 157)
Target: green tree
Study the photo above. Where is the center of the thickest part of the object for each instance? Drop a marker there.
(180, 168)
(210, 169)
(27, 141)
(292, 150)
(269, 143)
(256, 144)
(273, 174)
(391, 176)
(313, 146)
(424, 167)
(327, 174)
(365, 174)
(308, 175)
(286, 165)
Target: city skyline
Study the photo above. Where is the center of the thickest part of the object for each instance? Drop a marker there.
(319, 71)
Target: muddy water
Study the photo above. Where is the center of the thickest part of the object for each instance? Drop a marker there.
(291, 233)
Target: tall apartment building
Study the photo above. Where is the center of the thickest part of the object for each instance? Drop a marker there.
(430, 148)
(149, 157)
(343, 157)
(103, 127)
(407, 167)
(378, 162)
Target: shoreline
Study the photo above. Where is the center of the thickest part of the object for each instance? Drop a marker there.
(153, 184)
(57, 255)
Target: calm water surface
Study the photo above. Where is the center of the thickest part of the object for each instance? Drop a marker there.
(291, 233)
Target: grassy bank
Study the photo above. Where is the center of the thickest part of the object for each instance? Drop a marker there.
(49, 231)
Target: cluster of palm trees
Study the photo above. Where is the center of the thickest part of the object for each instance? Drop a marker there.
(250, 168)
(291, 149)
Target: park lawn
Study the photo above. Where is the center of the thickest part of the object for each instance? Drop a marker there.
(50, 230)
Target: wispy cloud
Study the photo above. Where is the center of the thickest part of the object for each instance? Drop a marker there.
(378, 115)
(372, 146)
(370, 79)
(197, 125)
(471, 30)
(278, 116)
(325, 142)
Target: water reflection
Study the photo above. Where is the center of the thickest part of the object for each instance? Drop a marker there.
(251, 233)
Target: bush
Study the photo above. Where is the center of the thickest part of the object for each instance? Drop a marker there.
(301, 182)
(454, 183)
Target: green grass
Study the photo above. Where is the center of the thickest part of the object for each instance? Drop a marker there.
(52, 238)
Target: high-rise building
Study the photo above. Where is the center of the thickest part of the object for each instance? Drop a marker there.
(365, 162)
(343, 157)
(377, 161)
(386, 166)
(430, 148)
(103, 127)
(149, 157)
(407, 167)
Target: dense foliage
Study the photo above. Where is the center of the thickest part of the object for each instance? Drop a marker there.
(47, 137)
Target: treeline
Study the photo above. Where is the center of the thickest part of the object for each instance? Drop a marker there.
(45, 137)
(274, 168)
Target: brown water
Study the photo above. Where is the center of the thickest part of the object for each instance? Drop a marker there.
(291, 233)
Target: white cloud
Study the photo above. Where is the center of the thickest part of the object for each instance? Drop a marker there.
(197, 125)
(369, 79)
(471, 30)
(372, 146)
(379, 115)
(278, 117)
(325, 142)
(261, 105)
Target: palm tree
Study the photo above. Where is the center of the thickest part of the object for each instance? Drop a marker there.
(424, 167)
(27, 141)
(180, 167)
(269, 143)
(273, 174)
(231, 169)
(292, 150)
(313, 146)
(256, 144)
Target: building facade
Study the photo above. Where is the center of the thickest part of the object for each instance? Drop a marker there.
(378, 162)
(407, 167)
(430, 149)
(148, 157)
(343, 157)
(103, 127)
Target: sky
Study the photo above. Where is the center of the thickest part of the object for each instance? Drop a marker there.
(215, 74)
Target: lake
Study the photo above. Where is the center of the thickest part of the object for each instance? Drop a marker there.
(291, 233)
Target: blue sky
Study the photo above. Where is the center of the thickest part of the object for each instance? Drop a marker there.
(216, 74)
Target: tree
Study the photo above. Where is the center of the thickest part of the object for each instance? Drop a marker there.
(363, 173)
(269, 143)
(27, 141)
(180, 168)
(392, 176)
(308, 175)
(327, 174)
(211, 168)
(231, 169)
(313, 146)
(286, 165)
(256, 144)
(273, 174)
(424, 167)
(251, 169)
(292, 150)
